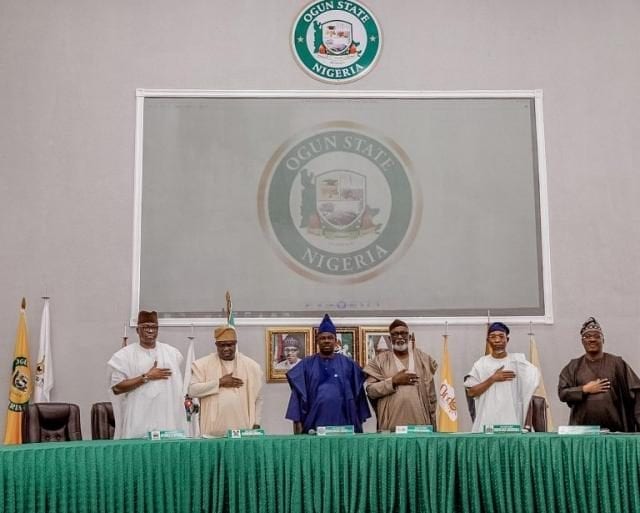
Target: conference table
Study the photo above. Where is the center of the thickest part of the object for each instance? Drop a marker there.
(370, 473)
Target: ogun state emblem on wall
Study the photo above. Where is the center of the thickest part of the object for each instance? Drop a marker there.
(336, 40)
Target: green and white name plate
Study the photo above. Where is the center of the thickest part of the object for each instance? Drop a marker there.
(335, 430)
(413, 429)
(502, 429)
(244, 433)
(166, 435)
(578, 430)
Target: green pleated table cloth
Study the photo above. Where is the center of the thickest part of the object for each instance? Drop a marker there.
(368, 473)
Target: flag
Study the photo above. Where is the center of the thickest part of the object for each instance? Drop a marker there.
(187, 367)
(447, 409)
(540, 391)
(231, 318)
(191, 405)
(20, 384)
(43, 381)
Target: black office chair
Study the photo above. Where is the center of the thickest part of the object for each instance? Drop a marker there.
(51, 422)
(537, 414)
(103, 423)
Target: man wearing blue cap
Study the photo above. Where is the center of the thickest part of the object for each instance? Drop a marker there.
(327, 387)
(501, 383)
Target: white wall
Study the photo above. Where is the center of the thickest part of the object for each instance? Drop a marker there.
(68, 74)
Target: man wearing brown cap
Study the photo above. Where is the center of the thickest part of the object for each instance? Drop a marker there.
(146, 381)
(229, 385)
(600, 388)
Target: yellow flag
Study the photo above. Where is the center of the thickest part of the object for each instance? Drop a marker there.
(20, 386)
(540, 391)
(447, 409)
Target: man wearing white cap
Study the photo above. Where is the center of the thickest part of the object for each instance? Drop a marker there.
(146, 381)
(229, 385)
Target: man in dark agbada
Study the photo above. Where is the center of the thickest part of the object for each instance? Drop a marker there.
(327, 387)
(600, 388)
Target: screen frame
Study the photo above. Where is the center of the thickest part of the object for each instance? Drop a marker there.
(535, 95)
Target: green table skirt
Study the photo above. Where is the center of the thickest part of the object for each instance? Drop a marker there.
(363, 473)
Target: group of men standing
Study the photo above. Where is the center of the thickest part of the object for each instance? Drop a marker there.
(330, 389)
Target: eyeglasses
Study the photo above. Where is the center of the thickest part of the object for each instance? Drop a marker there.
(148, 327)
(399, 334)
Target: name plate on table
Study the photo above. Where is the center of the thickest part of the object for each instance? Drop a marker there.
(578, 430)
(335, 430)
(244, 433)
(414, 429)
(502, 429)
(166, 435)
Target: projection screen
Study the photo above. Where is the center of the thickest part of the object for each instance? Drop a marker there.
(367, 205)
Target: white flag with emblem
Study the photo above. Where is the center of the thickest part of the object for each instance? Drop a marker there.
(43, 382)
(191, 405)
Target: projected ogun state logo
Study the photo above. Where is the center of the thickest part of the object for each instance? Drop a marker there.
(336, 40)
(338, 203)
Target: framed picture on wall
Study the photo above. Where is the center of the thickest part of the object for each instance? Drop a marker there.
(372, 341)
(285, 348)
(348, 341)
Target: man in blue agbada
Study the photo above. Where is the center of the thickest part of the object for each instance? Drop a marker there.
(327, 387)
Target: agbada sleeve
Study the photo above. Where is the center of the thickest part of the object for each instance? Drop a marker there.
(200, 386)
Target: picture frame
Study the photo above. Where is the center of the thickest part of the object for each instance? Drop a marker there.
(348, 341)
(281, 354)
(370, 337)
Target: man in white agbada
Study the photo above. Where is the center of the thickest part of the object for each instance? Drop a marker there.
(146, 381)
(501, 383)
(229, 385)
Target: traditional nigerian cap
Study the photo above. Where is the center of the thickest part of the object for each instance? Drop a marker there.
(225, 334)
(327, 326)
(498, 326)
(291, 341)
(147, 317)
(590, 325)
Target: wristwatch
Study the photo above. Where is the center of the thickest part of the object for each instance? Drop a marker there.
(145, 378)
